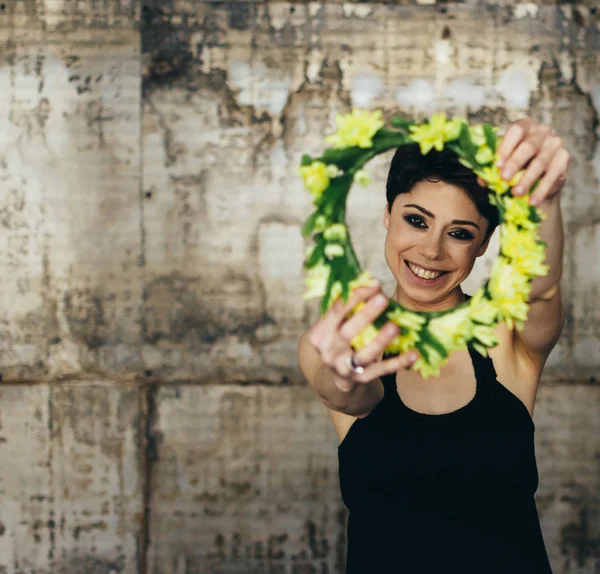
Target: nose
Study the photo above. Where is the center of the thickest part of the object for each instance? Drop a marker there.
(432, 247)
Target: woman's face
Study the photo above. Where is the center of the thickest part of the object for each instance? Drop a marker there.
(434, 231)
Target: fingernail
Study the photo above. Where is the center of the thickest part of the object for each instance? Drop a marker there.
(391, 330)
(412, 358)
(518, 190)
(500, 162)
(380, 300)
(505, 174)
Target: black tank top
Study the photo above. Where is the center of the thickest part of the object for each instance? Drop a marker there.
(454, 492)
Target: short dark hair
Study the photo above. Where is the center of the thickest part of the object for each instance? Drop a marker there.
(409, 166)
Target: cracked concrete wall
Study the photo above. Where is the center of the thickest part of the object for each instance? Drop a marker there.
(152, 415)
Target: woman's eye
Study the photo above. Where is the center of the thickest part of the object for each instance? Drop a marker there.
(462, 234)
(414, 220)
(417, 221)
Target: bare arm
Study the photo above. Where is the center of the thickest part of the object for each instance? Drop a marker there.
(546, 314)
(542, 153)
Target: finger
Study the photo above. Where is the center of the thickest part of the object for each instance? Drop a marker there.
(481, 182)
(338, 311)
(554, 179)
(324, 331)
(515, 133)
(538, 165)
(366, 315)
(376, 347)
(526, 150)
(381, 368)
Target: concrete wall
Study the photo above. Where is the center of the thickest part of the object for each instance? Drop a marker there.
(153, 418)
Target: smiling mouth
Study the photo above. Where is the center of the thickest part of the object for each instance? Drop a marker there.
(424, 273)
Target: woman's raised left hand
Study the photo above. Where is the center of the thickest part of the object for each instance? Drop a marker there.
(536, 148)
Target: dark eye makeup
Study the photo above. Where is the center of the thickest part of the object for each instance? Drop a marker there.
(418, 222)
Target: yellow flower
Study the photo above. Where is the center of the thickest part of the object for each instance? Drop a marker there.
(432, 134)
(526, 254)
(333, 250)
(333, 171)
(362, 178)
(320, 223)
(404, 318)
(531, 264)
(485, 334)
(336, 291)
(432, 366)
(335, 232)
(491, 175)
(506, 281)
(484, 155)
(481, 309)
(509, 290)
(517, 212)
(452, 128)
(315, 178)
(363, 280)
(316, 281)
(355, 129)
(403, 342)
(477, 135)
(481, 349)
(513, 240)
(408, 337)
(452, 329)
(364, 337)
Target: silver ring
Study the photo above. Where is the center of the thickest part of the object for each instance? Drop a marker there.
(358, 369)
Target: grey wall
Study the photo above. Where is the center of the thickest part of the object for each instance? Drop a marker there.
(153, 418)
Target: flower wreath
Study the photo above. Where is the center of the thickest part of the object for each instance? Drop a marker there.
(334, 270)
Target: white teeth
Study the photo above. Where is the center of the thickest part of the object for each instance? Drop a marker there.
(422, 273)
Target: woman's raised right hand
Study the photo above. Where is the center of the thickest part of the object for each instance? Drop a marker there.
(332, 333)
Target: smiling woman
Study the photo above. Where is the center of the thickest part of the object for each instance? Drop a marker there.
(439, 220)
(332, 263)
(439, 473)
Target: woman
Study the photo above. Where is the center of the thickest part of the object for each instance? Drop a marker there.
(439, 475)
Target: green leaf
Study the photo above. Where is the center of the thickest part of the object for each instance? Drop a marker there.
(499, 203)
(309, 224)
(430, 340)
(467, 146)
(315, 256)
(481, 349)
(325, 300)
(533, 215)
(345, 291)
(385, 139)
(490, 137)
(306, 160)
(423, 351)
(344, 158)
(400, 122)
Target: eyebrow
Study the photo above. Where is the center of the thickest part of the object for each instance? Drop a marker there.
(458, 221)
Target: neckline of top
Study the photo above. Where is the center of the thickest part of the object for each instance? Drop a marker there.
(482, 393)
